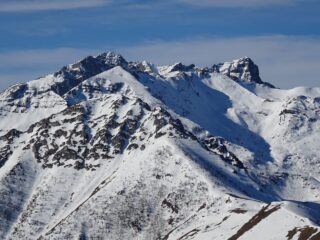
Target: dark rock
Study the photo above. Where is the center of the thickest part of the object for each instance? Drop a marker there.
(10, 136)
(133, 146)
(216, 145)
(142, 147)
(5, 153)
(243, 69)
(66, 153)
(90, 66)
(288, 111)
(168, 204)
(182, 68)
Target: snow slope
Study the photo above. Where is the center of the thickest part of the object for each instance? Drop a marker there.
(110, 149)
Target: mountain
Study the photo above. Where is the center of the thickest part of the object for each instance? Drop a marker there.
(111, 149)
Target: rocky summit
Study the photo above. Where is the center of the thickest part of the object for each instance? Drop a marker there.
(111, 149)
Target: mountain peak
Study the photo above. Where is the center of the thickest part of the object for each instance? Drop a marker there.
(112, 58)
(86, 68)
(93, 65)
(181, 67)
(242, 69)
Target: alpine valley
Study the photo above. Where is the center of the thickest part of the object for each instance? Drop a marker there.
(111, 149)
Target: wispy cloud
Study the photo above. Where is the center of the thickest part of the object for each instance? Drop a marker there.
(237, 3)
(45, 5)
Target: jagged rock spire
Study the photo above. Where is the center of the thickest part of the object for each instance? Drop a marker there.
(243, 69)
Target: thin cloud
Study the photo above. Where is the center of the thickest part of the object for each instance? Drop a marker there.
(45, 5)
(237, 3)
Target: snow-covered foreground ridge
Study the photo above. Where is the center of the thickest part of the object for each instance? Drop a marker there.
(110, 149)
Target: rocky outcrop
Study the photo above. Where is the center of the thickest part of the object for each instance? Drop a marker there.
(243, 69)
(75, 73)
(217, 146)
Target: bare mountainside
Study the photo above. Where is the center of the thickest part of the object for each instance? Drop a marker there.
(111, 149)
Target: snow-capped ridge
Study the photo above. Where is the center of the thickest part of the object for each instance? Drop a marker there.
(70, 76)
(108, 148)
(88, 67)
(181, 67)
(243, 69)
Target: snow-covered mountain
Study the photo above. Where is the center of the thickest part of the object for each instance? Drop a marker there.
(110, 149)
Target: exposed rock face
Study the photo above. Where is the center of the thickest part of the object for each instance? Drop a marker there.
(242, 69)
(216, 145)
(182, 68)
(106, 148)
(86, 68)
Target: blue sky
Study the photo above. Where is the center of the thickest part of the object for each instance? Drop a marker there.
(282, 36)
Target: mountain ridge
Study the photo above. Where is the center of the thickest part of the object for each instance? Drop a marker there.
(106, 148)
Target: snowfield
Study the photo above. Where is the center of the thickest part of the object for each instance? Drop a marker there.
(110, 149)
